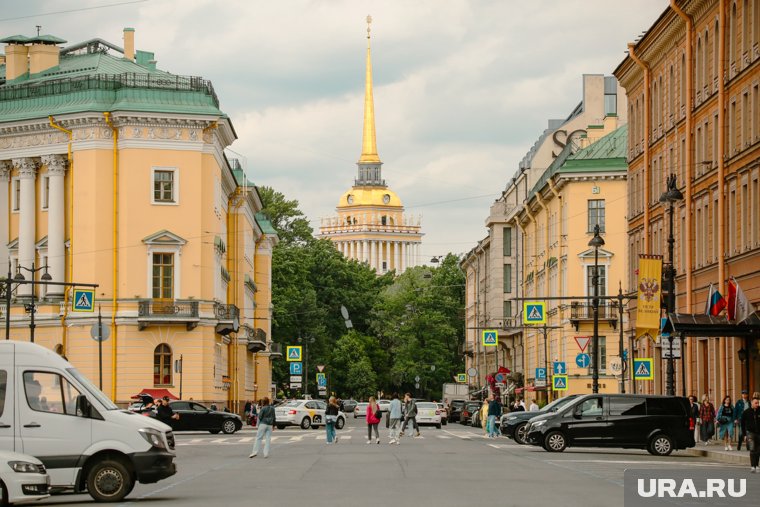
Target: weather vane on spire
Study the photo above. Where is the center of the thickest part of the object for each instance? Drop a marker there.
(369, 22)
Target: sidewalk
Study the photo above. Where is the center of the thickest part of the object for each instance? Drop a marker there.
(715, 451)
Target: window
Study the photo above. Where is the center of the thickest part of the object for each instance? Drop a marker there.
(507, 241)
(384, 220)
(163, 276)
(595, 214)
(592, 407)
(610, 104)
(507, 312)
(45, 192)
(162, 365)
(507, 278)
(164, 186)
(49, 392)
(664, 406)
(602, 354)
(602, 280)
(16, 196)
(3, 389)
(628, 406)
(732, 36)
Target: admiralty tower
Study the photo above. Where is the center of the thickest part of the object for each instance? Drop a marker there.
(371, 224)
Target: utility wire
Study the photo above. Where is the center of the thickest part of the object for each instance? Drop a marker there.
(72, 10)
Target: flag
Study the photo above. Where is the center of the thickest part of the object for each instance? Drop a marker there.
(715, 302)
(650, 291)
(738, 305)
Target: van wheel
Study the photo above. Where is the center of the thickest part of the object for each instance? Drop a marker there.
(109, 481)
(555, 442)
(437, 426)
(521, 433)
(661, 445)
(340, 423)
(229, 427)
(280, 426)
(305, 423)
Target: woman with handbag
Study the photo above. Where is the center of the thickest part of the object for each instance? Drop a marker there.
(725, 418)
(331, 417)
(707, 417)
(374, 415)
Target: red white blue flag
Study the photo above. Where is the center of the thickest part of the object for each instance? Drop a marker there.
(715, 302)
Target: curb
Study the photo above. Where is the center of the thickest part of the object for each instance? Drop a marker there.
(722, 456)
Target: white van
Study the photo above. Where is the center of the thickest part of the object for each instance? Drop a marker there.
(51, 411)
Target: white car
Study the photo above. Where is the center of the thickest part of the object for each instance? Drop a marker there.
(22, 478)
(385, 405)
(304, 413)
(361, 409)
(428, 413)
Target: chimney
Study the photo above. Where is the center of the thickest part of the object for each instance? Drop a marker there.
(43, 56)
(129, 44)
(16, 60)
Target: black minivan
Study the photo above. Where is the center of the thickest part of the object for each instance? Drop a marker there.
(659, 424)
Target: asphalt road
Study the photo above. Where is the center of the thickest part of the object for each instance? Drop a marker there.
(453, 466)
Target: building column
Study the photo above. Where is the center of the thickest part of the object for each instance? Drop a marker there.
(402, 249)
(365, 252)
(56, 166)
(27, 170)
(5, 172)
(397, 256)
(373, 264)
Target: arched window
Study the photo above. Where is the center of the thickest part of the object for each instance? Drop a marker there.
(745, 27)
(683, 82)
(698, 66)
(162, 365)
(672, 94)
(716, 53)
(732, 35)
(706, 63)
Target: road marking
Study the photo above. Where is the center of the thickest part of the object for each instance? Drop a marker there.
(463, 435)
(631, 462)
(246, 439)
(445, 437)
(219, 440)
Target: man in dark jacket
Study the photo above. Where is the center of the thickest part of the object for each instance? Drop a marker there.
(494, 412)
(410, 414)
(267, 420)
(751, 427)
(741, 405)
(164, 412)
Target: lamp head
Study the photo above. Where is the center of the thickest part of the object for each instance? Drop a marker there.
(597, 241)
(19, 276)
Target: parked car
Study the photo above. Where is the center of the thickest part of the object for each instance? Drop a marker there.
(360, 410)
(22, 478)
(348, 405)
(468, 410)
(304, 413)
(444, 413)
(659, 424)
(196, 417)
(513, 424)
(456, 410)
(428, 413)
(385, 405)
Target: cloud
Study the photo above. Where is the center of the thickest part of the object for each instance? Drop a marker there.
(462, 88)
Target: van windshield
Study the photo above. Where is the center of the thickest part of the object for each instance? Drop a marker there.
(94, 391)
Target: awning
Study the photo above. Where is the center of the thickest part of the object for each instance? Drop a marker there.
(156, 394)
(687, 324)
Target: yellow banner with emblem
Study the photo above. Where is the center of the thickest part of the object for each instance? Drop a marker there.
(650, 293)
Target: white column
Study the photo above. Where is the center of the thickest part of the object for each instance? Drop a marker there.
(56, 166)
(27, 171)
(397, 254)
(373, 263)
(380, 255)
(403, 253)
(365, 251)
(5, 172)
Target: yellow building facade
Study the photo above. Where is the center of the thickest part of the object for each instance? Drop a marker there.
(371, 224)
(113, 172)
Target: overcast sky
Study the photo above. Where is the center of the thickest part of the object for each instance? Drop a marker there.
(462, 87)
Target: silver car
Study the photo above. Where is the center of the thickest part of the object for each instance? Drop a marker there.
(304, 413)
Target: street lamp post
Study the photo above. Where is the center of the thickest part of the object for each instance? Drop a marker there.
(31, 308)
(671, 196)
(596, 242)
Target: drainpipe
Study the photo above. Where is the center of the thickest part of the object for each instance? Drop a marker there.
(69, 272)
(647, 133)
(115, 259)
(722, 342)
(546, 268)
(557, 196)
(535, 256)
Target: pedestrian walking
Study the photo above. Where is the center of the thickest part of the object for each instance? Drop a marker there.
(483, 412)
(374, 415)
(331, 417)
(494, 411)
(254, 414)
(694, 417)
(750, 423)
(264, 432)
(533, 406)
(741, 405)
(707, 419)
(725, 420)
(410, 414)
(394, 415)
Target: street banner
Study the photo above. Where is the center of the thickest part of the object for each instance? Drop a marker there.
(650, 292)
(738, 306)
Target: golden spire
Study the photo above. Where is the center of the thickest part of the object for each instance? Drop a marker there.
(369, 143)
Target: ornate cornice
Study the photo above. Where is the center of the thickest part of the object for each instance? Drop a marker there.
(26, 167)
(56, 164)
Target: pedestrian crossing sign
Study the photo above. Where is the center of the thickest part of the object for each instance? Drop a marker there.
(534, 312)
(462, 378)
(84, 300)
(559, 382)
(294, 353)
(490, 338)
(643, 368)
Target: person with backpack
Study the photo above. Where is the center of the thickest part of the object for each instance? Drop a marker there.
(494, 412)
(374, 415)
(394, 417)
(410, 414)
(725, 418)
(267, 421)
(707, 419)
(331, 417)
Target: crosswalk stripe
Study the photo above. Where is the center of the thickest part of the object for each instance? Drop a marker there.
(445, 437)
(246, 439)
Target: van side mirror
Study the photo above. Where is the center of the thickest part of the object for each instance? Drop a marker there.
(83, 406)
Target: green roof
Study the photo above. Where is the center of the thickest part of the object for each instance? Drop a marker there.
(265, 224)
(605, 155)
(15, 39)
(47, 39)
(98, 81)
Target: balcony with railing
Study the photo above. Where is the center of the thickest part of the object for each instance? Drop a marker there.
(159, 312)
(228, 317)
(275, 349)
(583, 311)
(257, 339)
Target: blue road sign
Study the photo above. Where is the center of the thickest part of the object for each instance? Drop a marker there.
(559, 367)
(583, 360)
(490, 338)
(625, 355)
(84, 300)
(643, 368)
(559, 383)
(500, 378)
(321, 380)
(663, 321)
(540, 373)
(534, 312)
(296, 368)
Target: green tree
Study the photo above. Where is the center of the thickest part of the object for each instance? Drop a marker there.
(291, 224)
